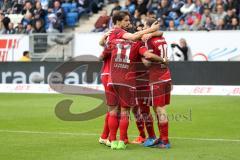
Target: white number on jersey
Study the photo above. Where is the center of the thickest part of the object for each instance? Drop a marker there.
(163, 50)
(123, 49)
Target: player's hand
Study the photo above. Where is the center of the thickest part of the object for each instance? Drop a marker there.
(146, 37)
(155, 26)
(147, 63)
(166, 61)
(108, 33)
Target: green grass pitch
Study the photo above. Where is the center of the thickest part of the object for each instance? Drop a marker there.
(29, 130)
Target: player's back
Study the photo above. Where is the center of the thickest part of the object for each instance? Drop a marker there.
(158, 45)
(158, 72)
(115, 34)
(124, 56)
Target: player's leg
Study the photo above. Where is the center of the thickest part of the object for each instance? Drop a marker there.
(113, 126)
(112, 102)
(105, 133)
(123, 126)
(163, 127)
(126, 99)
(140, 125)
(148, 120)
(160, 101)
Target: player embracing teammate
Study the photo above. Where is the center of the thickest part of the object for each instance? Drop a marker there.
(122, 55)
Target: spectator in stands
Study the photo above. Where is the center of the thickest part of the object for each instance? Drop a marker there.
(117, 6)
(16, 7)
(175, 8)
(39, 27)
(163, 9)
(45, 4)
(171, 26)
(188, 7)
(27, 19)
(220, 25)
(206, 13)
(196, 25)
(136, 19)
(19, 29)
(5, 20)
(25, 57)
(52, 24)
(151, 14)
(229, 16)
(59, 14)
(234, 25)
(142, 5)
(233, 5)
(208, 4)
(11, 29)
(129, 6)
(191, 17)
(39, 13)
(2, 28)
(162, 24)
(208, 25)
(220, 14)
(217, 3)
(182, 25)
(102, 22)
(29, 29)
(199, 7)
(5, 6)
(28, 8)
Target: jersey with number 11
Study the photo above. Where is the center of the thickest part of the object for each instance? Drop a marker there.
(123, 56)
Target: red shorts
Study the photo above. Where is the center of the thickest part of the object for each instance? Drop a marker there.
(109, 93)
(143, 95)
(121, 96)
(104, 79)
(160, 94)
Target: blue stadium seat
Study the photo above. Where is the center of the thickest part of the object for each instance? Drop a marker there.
(71, 19)
(66, 7)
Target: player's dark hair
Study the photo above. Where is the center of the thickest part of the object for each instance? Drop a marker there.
(150, 21)
(25, 53)
(119, 16)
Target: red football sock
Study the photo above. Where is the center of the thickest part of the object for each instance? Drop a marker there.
(123, 126)
(105, 128)
(113, 126)
(148, 120)
(163, 130)
(140, 126)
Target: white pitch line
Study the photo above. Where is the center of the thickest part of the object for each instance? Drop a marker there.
(94, 134)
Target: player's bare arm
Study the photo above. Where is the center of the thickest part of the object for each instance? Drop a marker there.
(146, 62)
(145, 37)
(102, 41)
(138, 35)
(153, 57)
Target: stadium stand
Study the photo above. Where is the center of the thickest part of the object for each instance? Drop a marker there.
(56, 15)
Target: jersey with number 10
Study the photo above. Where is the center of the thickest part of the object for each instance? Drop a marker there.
(158, 72)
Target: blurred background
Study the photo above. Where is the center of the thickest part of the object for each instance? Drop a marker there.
(203, 38)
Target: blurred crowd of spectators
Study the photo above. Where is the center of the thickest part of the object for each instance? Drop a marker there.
(181, 15)
(41, 16)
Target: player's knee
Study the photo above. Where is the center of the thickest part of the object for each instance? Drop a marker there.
(113, 110)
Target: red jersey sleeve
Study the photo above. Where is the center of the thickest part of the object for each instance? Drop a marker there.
(142, 50)
(120, 33)
(106, 52)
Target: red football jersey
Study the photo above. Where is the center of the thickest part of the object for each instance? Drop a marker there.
(116, 33)
(158, 72)
(124, 56)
